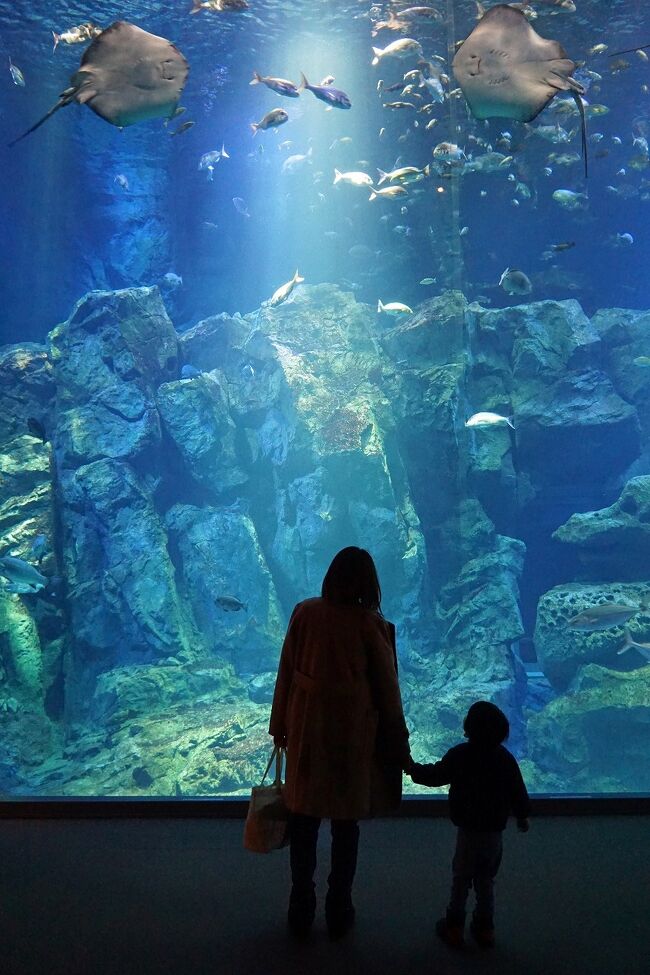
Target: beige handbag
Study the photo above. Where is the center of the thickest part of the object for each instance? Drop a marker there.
(267, 822)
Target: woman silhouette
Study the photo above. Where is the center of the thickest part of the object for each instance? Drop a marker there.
(337, 709)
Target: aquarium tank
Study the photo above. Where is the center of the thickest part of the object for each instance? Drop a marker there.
(281, 277)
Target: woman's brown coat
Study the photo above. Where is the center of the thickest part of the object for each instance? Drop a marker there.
(337, 701)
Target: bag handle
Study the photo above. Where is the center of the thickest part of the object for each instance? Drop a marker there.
(277, 754)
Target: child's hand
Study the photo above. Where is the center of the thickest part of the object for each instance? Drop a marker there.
(522, 825)
(407, 764)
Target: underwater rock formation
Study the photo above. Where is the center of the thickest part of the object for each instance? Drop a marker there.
(191, 488)
(561, 650)
(596, 736)
(613, 541)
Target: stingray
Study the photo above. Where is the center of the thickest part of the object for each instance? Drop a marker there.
(506, 70)
(126, 75)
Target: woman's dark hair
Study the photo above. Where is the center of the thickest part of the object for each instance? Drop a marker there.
(486, 724)
(352, 579)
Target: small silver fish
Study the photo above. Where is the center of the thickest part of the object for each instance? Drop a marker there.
(230, 604)
(602, 617)
(485, 420)
(16, 74)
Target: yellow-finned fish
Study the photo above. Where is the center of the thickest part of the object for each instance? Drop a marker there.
(388, 192)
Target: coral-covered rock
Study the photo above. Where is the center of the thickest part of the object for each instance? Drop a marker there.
(561, 650)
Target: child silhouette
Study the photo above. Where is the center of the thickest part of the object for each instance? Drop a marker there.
(485, 786)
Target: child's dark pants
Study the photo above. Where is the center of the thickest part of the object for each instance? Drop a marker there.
(476, 861)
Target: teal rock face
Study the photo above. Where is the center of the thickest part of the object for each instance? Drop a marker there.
(223, 576)
(614, 540)
(542, 363)
(27, 368)
(195, 414)
(120, 576)
(108, 358)
(598, 733)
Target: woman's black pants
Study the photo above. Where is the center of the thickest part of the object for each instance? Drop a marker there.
(345, 843)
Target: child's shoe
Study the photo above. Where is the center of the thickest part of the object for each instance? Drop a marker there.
(483, 933)
(451, 929)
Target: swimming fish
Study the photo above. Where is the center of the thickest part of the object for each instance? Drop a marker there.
(643, 648)
(403, 176)
(184, 127)
(285, 290)
(279, 85)
(394, 308)
(219, 6)
(38, 547)
(271, 120)
(17, 76)
(76, 35)
(210, 159)
(486, 420)
(354, 178)
(515, 282)
(388, 192)
(570, 199)
(333, 97)
(403, 48)
(240, 206)
(230, 604)
(22, 576)
(602, 617)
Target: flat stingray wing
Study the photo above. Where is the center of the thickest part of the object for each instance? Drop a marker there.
(506, 69)
(128, 75)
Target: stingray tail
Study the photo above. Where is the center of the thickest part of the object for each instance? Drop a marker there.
(61, 102)
(581, 108)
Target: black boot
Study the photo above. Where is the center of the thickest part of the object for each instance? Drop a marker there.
(339, 910)
(302, 908)
(302, 903)
(339, 913)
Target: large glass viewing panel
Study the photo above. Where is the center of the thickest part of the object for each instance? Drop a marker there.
(239, 339)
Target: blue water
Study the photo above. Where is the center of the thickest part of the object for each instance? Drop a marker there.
(86, 207)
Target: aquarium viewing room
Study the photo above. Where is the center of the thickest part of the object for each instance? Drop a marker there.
(325, 487)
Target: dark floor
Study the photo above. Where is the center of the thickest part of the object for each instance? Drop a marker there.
(134, 897)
